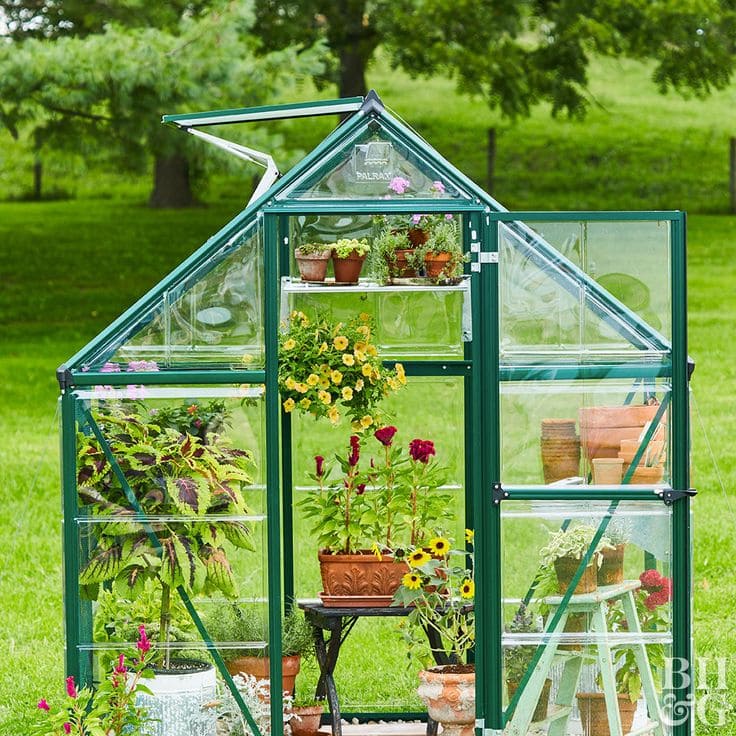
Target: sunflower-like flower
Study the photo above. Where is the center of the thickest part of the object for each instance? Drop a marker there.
(469, 535)
(340, 342)
(418, 558)
(289, 405)
(439, 546)
(412, 581)
(467, 589)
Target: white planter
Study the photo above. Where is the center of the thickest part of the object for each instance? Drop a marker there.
(176, 703)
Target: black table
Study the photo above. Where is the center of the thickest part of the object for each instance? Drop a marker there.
(331, 627)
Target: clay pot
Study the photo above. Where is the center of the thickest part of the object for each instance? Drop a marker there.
(307, 723)
(576, 624)
(402, 269)
(558, 429)
(417, 236)
(436, 263)
(347, 270)
(540, 710)
(450, 698)
(560, 458)
(611, 571)
(258, 667)
(359, 580)
(312, 266)
(565, 567)
(608, 471)
(603, 428)
(594, 717)
(647, 476)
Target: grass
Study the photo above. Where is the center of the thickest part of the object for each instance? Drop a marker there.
(70, 267)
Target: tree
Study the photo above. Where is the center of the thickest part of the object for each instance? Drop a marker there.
(109, 89)
(513, 53)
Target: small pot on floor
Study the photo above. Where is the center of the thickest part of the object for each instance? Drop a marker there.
(306, 720)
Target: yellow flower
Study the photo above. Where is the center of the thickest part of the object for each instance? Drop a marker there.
(418, 557)
(359, 356)
(364, 330)
(290, 344)
(360, 346)
(347, 393)
(394, 383)
(367, 370)
(340, 342)
(325, 397)
(312, 379)
(324, 382)
(247, 358)
(412, 581)
(334, 415)
(364, 316)
(324, 369)
(439, 546)
(305, 403)
(322, 348)
(366, 421)
(469, 535)
(336, 377)
(467, 589)
(359, 385)
(371, 350)
(348, 359)
(302, 388)
(289, 405)
(290, 383)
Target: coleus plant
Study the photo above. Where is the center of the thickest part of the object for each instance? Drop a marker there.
(178, 481)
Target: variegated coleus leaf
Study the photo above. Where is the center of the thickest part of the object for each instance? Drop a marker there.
(191, 494)
(238, 533)
(219, 572)
(180, 564)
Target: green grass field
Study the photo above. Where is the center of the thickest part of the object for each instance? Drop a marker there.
(69, 268)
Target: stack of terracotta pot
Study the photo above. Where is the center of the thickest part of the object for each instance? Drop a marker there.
(560, 449)
(604, 428)
(650, 468)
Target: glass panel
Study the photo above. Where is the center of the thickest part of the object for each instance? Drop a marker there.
(612, 637)
(584, 291)
(576, 432)
(374, 165)
(211, 316)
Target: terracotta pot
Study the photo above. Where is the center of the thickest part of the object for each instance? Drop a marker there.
(594, 717)
(359, 580)
(558, 429)
(560, 458)
(307, 723)
(312, 266)
(604, 428)
(629, 448)
(258, 667)
(540, 710)
(417, 236)
(402, 269)
(611, 571)
(647, 476)
(450, 698)
(436, 263)
(576, 624)
(608, 471)
(565, 567)
(347, 270)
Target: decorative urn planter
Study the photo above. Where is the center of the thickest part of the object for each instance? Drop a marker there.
(259, 667)
(449, 694)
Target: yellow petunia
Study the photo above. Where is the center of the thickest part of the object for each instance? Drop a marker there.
(325, 369)
(367, 370)
(336, 377)
(439, 546)
(324, 382)
(347, 393)
(302, 388)
(290, 383)
(334, 415)
(400, 373)
(469, 535)
(364, 316)
(312, 379)
(360, 346)
(359, 356)
(467, 589)
(418, 558)
(322, 348)
(366, 421)
(359, 385)
(348, 359)
(340, 342)
(371, 350)
(325, 397)
(290, 344)
(394, 383)
(412, 581)
(305, 403)
(364, 330)
(289, 405)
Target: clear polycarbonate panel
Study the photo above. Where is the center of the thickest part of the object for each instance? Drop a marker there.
(585, 432)
(374, 165)
(584, 291)
(212, 315)
(612, 635)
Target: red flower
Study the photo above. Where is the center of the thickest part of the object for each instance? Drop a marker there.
(43, 705)
(192, 409)
(71, 688)
(120, 668)
(67, 727)
(360, 489)
(651, 580)
(143, 644)
(385, 435)
(421, 450)
(319, 461)
(354, 450)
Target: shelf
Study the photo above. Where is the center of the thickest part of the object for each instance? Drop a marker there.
(297, 286)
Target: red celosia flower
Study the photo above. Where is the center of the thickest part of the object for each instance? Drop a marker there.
(67, 727)
(354, 450)
(650, 580)
(143, 644)
(360, 489)
(120, 668)
(385, 435)
(43, 705)
(319, 461)
(71, 688)
(421, 450)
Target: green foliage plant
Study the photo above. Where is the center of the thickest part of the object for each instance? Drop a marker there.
(313, 249)
(346, 247)
(573, 542)
(385, 245)
(169, 474)
(517, 658)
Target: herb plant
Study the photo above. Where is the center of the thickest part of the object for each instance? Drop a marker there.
(313, 249)
(346, 247)
(572, 542)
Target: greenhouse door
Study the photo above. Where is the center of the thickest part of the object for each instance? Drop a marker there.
(583, 583)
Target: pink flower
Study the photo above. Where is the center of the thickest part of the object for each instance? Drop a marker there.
(71, 688)
(650, 580)
(120, 668)
(421, 450)
(354, 450)
(142, 365)
(110, 368)
(448, 217)
(399, 185)
(438, 186)
(416, 219)
(385, 435)
(143, 644)
(43, 705)
(67, 727)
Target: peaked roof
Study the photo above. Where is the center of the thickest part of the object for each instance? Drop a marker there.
(367, 113)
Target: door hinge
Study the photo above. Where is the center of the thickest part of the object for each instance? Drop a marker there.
(498, 493)
(483, 257)
(669, 495)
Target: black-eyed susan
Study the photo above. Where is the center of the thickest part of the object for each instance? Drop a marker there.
(439, 546)
(469, 535)
(418, 558)
(412, 581)
(467, 589)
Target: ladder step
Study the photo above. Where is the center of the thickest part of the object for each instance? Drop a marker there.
(646, 728)
(559, 712)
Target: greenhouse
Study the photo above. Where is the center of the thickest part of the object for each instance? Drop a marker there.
(436, 451)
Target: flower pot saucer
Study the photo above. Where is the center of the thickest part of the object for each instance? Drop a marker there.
(424, 281)
(330, 282)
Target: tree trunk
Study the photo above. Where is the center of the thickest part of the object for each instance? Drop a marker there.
(352, 73)
(171, 184)
(37, 178)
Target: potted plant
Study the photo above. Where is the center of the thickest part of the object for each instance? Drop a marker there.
(306, 716)
(518, 658)
(439, 588)
(324, 366)
(611, 570)
(564, 552)
(312, 260)
(348, 255)
(442, 253)
(175, 478)
(393, 251)
(233, 622)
